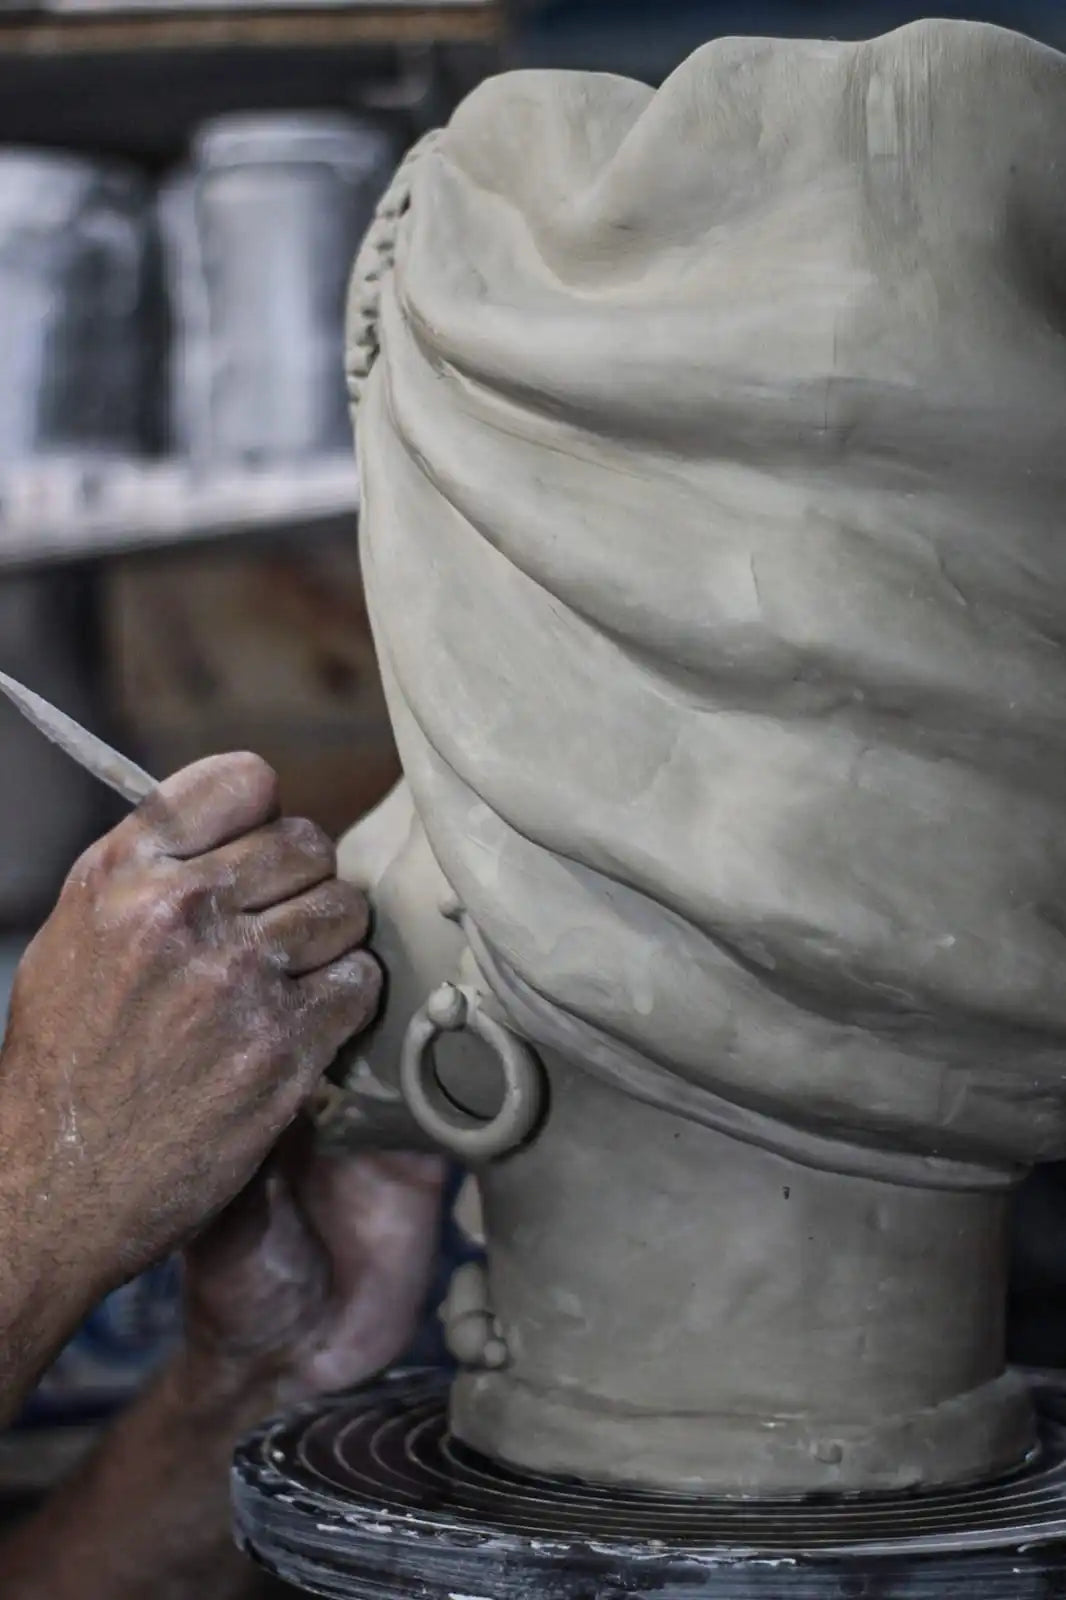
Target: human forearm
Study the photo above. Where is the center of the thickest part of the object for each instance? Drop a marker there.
(147, 1517)
(201, 969)
(49, 1277)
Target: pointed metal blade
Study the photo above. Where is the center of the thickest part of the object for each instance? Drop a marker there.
(117, 771)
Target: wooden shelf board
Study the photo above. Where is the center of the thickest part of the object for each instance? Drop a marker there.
(103, 31)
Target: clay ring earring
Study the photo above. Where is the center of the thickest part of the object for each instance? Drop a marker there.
(448, 1010)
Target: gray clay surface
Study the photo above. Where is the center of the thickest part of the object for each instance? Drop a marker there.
(711, 448)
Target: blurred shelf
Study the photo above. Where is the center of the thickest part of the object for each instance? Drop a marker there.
(84, 27)
(66, 513)
(171, 8)
(135, 82)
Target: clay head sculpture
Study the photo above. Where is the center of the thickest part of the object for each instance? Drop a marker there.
(712, 463)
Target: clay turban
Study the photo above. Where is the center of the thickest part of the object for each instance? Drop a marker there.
(714, 467)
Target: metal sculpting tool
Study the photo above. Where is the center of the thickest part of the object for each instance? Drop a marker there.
(117, 771)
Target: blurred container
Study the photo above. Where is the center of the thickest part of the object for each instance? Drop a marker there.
(48, 806)
(259, 239)
(73, 237)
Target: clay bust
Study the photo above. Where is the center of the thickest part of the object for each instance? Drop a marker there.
(713, 481)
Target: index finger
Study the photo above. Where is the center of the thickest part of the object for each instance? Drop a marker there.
(207, 804)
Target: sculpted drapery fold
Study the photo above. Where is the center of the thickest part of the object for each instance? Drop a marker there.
(712, 495)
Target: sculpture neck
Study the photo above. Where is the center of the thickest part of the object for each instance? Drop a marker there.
(682, 1309)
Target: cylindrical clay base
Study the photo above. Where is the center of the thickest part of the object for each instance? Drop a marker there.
(685, 1311)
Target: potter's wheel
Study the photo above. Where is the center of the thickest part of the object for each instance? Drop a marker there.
(370, 1496)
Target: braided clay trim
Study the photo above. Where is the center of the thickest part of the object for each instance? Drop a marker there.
(375, 260)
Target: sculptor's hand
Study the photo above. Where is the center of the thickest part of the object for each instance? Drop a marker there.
(316, 1274)
(310, 1281)
(199, 972)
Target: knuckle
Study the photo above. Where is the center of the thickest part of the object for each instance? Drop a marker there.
(93, 868)
(99, 865)
(191, 899)
(342, 905)
(153, 911)
(120, 890)
(263, 1069)
(307, 840)
(349, 900)
(245, 968)
(178, 909)
(252, 1077)
(353, 986)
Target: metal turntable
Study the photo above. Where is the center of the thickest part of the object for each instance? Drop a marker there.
(370, 1496)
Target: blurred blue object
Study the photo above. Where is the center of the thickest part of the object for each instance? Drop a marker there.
(428, 1349)
(121, 1343)
(647, 42)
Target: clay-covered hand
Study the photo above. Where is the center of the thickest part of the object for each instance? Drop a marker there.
(199, 972)
(315, 1276)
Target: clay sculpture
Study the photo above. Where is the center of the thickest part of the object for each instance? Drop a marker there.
(713, 474)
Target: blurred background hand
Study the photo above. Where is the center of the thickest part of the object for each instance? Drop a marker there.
(317, 1274)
